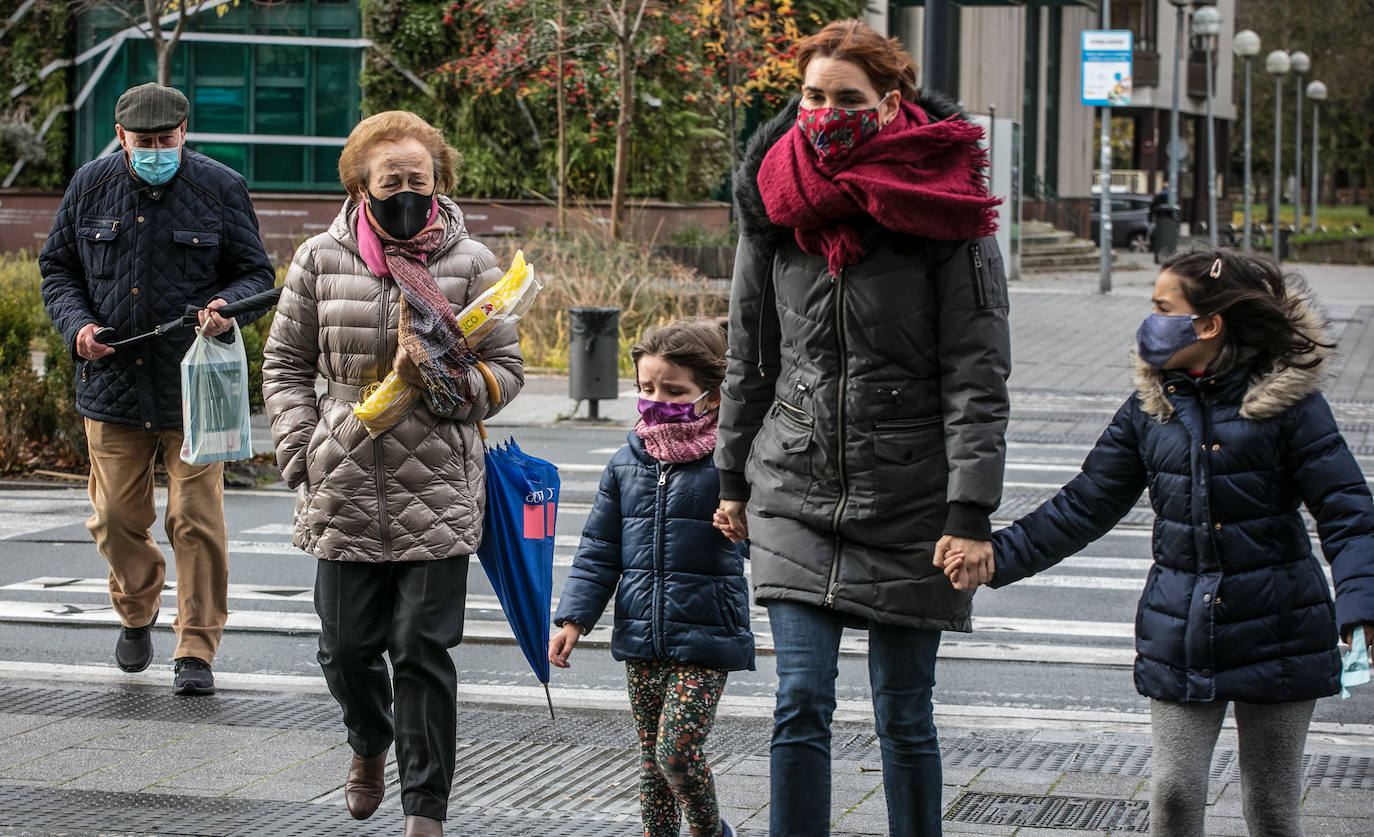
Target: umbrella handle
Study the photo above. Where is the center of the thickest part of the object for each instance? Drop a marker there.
(104, 335)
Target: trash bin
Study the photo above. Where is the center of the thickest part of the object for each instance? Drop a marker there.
(1164, 238)
(594, 355)
(1284, 233)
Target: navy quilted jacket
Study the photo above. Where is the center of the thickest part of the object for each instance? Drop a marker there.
(1235, 606)
(679, 586)
(132, 256)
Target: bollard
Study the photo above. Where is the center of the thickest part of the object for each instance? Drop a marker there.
(593, 355)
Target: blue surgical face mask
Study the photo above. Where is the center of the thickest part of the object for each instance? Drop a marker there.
(1161, 336)
(155, 166)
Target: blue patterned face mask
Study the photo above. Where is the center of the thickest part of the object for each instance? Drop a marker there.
(155, 166)
(1161, 336)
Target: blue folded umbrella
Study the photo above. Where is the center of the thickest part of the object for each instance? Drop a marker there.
(517, 547)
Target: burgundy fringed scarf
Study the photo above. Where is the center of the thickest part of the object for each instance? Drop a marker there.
(914, 176)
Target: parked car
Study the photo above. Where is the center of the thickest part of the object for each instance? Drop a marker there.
(1131, 224)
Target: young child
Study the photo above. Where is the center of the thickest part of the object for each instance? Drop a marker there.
(681, 600)
(1229, 431)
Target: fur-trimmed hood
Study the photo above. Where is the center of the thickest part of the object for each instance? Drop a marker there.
(1267, 395)
(753, 216)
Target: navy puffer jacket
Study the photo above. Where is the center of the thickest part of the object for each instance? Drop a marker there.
(680, 591)
(132, 256)
(1235, 606)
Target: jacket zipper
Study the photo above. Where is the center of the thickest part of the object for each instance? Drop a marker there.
(833, 583)
(907, 424)
(796, 413)
(379, 463)
(979, 294)
(660, 504)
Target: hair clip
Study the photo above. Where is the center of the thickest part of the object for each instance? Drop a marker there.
(1216, 269)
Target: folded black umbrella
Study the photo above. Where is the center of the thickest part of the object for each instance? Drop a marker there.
(190, 318)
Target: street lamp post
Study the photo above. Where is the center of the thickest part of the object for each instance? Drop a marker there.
(1174, 142)
(1207, 25)
(1246, 45)
(1300, 64)
(1316, 91)
(1276, 64)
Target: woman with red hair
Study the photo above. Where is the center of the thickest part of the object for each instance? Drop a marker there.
(865, 403)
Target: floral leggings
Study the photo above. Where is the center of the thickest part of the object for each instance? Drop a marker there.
(674, 706)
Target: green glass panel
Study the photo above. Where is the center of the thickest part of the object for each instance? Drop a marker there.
(233, 156)
(279, 165)
(327, 168)
(220, 60)
(336, 94)
(280, 110)
(279, 62)
(220, 109)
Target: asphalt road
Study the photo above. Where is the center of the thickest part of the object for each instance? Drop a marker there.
(1060, 641)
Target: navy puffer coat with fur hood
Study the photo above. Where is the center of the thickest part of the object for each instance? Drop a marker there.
(1235, 607)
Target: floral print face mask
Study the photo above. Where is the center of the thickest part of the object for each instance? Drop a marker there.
(836, 132)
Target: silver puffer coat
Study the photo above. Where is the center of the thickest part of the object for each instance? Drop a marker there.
(416, 492)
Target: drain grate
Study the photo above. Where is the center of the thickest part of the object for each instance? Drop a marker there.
(1050, 812)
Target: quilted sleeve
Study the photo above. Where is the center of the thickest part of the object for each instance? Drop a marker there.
(244, 265)
(1084, 510)
(288, 367)
(64, 278)
(596, 567)
(1333, 488)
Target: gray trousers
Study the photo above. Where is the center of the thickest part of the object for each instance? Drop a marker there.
(1271, 736)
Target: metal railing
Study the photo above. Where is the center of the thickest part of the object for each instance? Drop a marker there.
(1051, 208)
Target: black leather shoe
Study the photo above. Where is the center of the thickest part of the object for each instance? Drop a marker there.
(134, 648)
(193, 677)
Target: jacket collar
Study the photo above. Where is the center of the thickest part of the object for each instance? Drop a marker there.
(1260, 396)
(753, 217)
(455, 228)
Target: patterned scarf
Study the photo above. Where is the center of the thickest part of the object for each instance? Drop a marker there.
(428, 331)
(914, 176)
(678, 442)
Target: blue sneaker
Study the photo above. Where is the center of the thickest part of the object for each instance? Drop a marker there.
(726, 830)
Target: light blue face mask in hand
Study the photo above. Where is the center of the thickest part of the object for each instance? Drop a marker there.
(1355, 671)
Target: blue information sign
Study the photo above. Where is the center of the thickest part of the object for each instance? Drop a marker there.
(1107, 67)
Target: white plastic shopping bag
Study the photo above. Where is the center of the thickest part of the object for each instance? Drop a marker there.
(1355, 669)
(214, 400)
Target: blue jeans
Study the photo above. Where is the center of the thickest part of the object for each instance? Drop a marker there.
(901, 672)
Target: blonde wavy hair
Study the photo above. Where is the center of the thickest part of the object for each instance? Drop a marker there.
(392, 126)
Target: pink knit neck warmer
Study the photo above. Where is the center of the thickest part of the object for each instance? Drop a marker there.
(679, 442)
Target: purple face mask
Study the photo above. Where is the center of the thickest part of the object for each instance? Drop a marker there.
(669, 412)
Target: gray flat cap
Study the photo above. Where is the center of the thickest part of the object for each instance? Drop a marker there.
(150, 108)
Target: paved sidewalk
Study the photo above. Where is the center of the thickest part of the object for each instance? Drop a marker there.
(133, 759)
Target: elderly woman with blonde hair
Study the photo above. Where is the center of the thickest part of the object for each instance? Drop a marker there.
(393, 519)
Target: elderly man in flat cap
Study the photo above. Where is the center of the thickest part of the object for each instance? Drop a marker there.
(140, 235)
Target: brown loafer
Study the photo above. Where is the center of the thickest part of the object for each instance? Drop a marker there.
(417, 826)
(365, 785)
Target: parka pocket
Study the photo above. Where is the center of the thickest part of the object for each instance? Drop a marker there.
(782, 450)
(199, 251)
(901, 491)
(731, 599)
(96, 245)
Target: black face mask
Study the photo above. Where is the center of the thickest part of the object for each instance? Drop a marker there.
(403, 214)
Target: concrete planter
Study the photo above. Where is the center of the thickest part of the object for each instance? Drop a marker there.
(1345, 251)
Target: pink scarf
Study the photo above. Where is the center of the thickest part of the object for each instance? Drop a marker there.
(679, 442)
(370, 245)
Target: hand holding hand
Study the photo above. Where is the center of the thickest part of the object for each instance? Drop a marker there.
(968, 563)
(406, 369)
(562, 644)
(87, 346)
(730, 519)
(211, 323)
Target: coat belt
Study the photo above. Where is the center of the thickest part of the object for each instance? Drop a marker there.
(345, 392)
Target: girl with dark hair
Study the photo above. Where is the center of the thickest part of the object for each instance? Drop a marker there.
(681, 600)
(1229, 431)
(865, 405)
